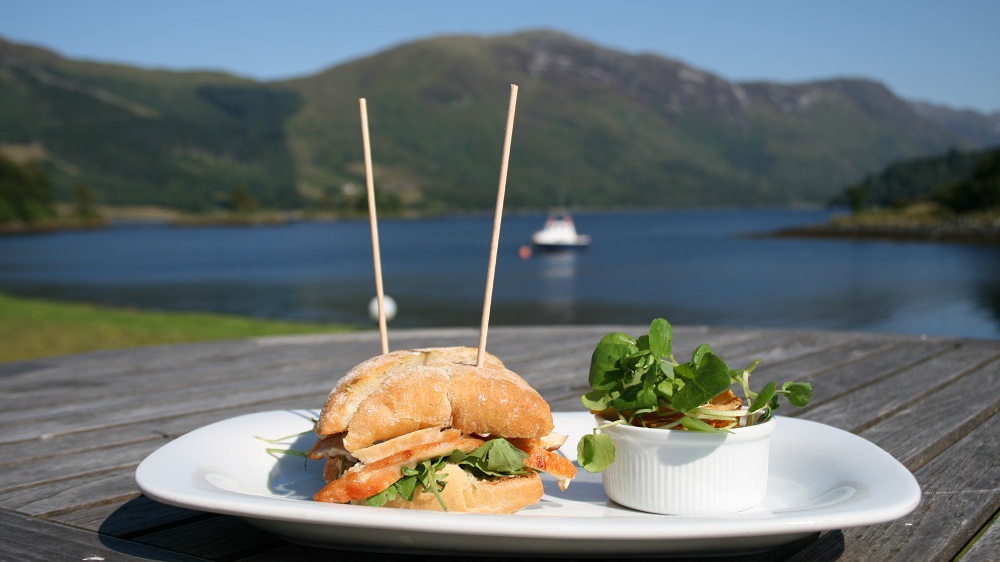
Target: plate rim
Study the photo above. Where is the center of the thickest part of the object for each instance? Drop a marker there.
(642, 526)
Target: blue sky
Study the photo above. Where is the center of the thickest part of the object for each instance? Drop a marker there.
(941, 51)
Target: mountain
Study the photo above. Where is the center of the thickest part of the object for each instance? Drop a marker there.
(594, 127)
(983, 129)
(143, 136)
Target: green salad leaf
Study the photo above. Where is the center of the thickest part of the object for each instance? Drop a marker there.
(494, 458)
(426, 474)
(704, 380)
(595, 452)
(639, 382)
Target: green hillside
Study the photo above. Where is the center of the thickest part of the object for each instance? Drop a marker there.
(146, 137)
(594, 128)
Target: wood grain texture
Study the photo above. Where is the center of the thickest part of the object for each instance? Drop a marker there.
(25, 540)
(73, 429)
(960, 495)
(985, 547)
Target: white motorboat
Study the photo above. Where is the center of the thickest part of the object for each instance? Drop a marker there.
(559, 233)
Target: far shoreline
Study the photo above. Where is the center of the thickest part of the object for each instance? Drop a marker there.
(959, 230)
(110, 217)
(980, 230)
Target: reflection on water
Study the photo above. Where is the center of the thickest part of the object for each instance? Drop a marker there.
(557, 287)
(987, 290)
(557, 265)
(693, 267)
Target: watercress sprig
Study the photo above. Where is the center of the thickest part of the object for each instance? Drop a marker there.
(427, 474)
(638, 381)
(291, 452)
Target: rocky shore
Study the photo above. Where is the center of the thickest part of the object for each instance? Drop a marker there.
(56, 225)
(978, 229)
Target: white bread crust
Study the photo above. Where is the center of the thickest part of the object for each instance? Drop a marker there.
(481, 401)
(366, 377)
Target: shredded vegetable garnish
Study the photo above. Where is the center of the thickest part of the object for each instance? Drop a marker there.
(638, 381)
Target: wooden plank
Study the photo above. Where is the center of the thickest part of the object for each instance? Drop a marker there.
(79, 378)
(778, 347)
(158, 430)
(817, 361)
(212, 538)
(909, 436)
(62, 405)
(191, 400)
(169, 364)
(71, 461)
(106, 393)
(985, 546)
(74, 391)
(29, 540)
(868, 405)
(134, 517)
(98, 461)
(928, 428)
(55, 373)
(203, 383)
(28, 451)
(847, 377)
(960, 495)
(54, 498)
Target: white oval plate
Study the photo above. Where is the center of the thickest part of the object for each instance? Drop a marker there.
(821, 478)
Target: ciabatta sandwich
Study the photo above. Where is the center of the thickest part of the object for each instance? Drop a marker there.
(427, 429)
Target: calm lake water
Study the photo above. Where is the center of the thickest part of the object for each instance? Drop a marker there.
(691, 267)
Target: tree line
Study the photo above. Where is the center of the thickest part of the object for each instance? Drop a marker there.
(959, 181)
(25, 192)
(26, 195)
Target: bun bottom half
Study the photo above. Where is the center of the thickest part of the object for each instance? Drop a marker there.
(465, 494)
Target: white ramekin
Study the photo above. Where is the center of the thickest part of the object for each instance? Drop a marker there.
(680, 472)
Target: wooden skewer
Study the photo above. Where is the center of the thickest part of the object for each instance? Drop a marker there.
(372, 218)
(497, 216)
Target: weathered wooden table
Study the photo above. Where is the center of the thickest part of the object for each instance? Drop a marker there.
(73, 430)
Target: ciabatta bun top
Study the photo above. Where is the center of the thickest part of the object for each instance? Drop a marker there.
(401, 392)
(368, 375)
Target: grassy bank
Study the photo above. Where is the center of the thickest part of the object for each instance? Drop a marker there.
(31, 328)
